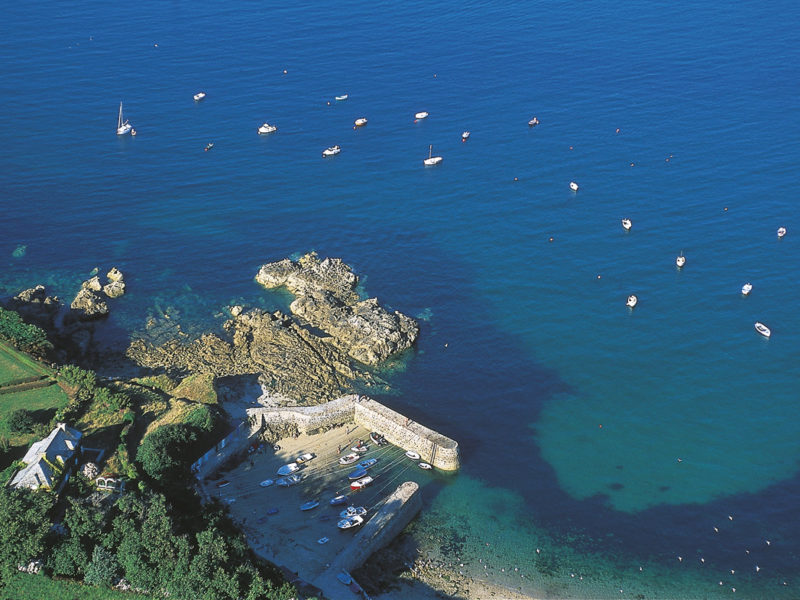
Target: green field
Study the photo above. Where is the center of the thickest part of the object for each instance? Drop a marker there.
(15, 365)
(38, 587)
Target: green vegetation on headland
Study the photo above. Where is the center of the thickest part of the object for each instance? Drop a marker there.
(157, 538)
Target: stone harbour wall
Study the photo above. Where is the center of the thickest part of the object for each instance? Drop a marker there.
(433, 447)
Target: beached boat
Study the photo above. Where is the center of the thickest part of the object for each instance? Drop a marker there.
(332, 151)
(223, 483)
(309, 505)
(267, 128)
(533, 122)
(632, 301)
(337, 500)
(377, 438)
(305, 457)
(781, 230)
(426, 466)
(323, 540)
(357, 474)
(412, 455)
(420, 115)
(288, 469)
(680, 260)
(199, 96)
(762, 329)
(350, 522)
(341, 98)
(266, 483)
(209, 146)
(360, 448)
(366, 464)
(344, 577)
(351, 511)
(747, 288)
(361, 483)
(123, 127)
(465, 136)
(360, 122)
(349, 459)
(431, 160)
(290, 480)
(627, 224)
(573, 186)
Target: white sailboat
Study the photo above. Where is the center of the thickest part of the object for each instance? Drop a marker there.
(123, 127)
(432, 160)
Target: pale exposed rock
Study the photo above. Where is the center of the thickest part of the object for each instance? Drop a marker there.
(88, 305)
(114, 275)
(310, 274)
(236, 311)
(115, 289)
(92, 284)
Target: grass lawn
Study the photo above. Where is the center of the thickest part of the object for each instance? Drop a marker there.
(38, 587)
(46, 399)
(15, 365)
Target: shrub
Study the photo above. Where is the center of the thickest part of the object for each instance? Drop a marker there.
(26, 337)
(103, 569)
(75, 377)
(21, 421)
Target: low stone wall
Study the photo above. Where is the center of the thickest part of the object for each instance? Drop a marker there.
(434, 448)
(397, 512)
(236, 441)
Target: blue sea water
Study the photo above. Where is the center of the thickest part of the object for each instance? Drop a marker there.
(613, 441)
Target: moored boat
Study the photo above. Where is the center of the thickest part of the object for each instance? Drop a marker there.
(432, 160)
(465, 136)
(747, 288)
(420, 115)
(632, 301)
(762, 329)
(533, 122)
(323, 540)
(366, 464)
(266, 483)
(350, 522)
(360, 122)
(290, 480)
(305, 457)
(627, 224)
(341, 98)
(680, 260)
(358, 473)
(361, 448)
(209, 146)
(199, 96)
(412, 455)
(352, 511)
(781, 230)
(349, 459)
(337, 500)
(267, 128)
(573, 186)
(426, 466)
(377, 438)
(309, 505)
(289, 469)
(361, 483)
(333, 150)
(123, 127)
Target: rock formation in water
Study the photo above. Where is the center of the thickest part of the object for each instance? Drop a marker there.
(35, 306)
(325, 297)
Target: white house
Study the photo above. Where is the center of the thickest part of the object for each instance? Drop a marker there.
(59, 449)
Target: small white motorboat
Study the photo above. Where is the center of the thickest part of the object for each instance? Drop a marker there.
(781, 231)
(352, 511)
(290, 480)
(350, 522)
(762, 329)
(412, 455)
(289, 469)
(266, 483)
(432, 160)
(627, 224)
(199, 96)
(533, 122)
(305, 457)
(341, 98)
(333, 150)
(426, 466)
(573, 186)
(123, 127)
(420, 115)
(465, 136)
(309, 505)
(680, 260)
(267, 128)
(349, 459)
(632, 301)
(360, 122)
(377, 438)
(361, 483)
(360, 449)
(747, 288)
(337, 500)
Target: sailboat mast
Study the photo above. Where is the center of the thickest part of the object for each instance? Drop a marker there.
(119, 119)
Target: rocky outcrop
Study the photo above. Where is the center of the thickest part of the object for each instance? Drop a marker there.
(293, 362)
(116, 284)
(88, 305)
(326, 299)
(34, 305)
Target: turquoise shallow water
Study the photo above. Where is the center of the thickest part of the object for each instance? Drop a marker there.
(540, 351)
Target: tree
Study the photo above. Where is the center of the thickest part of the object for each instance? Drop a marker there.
(21, 421)
(166, 453)
(23, 514)
(103, 569)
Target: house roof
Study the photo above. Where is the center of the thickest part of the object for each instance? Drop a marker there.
(62, 442)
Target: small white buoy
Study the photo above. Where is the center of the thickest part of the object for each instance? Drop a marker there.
(573, 186)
